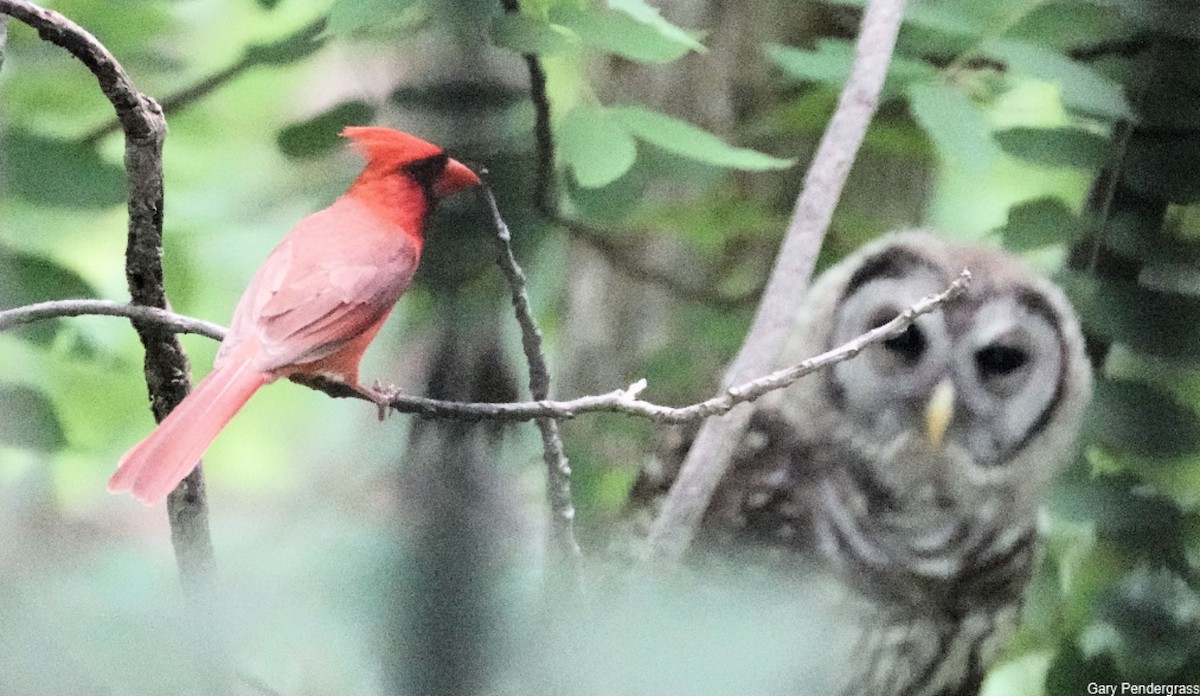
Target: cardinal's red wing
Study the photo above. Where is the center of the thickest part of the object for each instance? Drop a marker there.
(323, 286)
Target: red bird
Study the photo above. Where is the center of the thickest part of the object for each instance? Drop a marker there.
(314, 305)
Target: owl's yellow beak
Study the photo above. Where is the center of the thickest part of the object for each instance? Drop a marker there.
(939, 410)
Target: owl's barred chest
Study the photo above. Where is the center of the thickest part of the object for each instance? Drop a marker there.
(889, 523)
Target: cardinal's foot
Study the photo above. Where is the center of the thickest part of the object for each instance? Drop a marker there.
(382, 396)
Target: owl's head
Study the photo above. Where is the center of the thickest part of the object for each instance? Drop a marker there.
(996, 381)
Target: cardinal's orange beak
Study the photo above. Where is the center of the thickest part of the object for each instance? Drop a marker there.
(455, 177)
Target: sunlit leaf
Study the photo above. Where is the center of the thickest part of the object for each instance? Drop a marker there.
(956, 126)
(319, 134)
(617, 32)
(61, 173)
(28, 420)
(684, 139)
(829, 64)
(1084, 88)
(597, 147)
(650, 16)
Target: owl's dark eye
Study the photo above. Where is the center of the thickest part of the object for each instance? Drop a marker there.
(909, 345)
(998, 360)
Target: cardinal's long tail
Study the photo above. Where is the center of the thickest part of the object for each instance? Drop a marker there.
(157, 464)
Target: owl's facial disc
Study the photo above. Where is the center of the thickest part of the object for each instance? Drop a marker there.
(999, 357)
(1008, 366)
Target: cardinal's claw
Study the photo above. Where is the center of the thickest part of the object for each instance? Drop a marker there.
(383, 398)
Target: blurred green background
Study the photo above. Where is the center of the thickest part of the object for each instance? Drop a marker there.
(361, 558)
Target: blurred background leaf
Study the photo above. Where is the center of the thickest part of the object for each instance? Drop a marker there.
(1063, 129)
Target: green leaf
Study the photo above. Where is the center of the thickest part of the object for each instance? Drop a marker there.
(319, 134)
(28, 420)
(1055, 147)
(1155, 620)
(287, 50)
(644, 13)
(527, 34)
(689, 141)
(1072, 672)
(830, 62)
(1139, 419)
(455, 98)
(1163, 166)
(596, 146)
(1084, 88)
(1156, 323)
(1176, 18)
(61, 173)
(27, 278)
(1067, 24)
(349, 16)
(1038, 223)
(617, 32)
(956, 126)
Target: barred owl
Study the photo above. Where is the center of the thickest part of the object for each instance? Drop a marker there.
(910, 476)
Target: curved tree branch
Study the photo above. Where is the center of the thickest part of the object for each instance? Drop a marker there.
(176, 323)
(710, 453)
(627, 401)
(166, 366)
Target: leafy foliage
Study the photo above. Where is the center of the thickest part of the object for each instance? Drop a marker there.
(1062, 128)
(29, 420)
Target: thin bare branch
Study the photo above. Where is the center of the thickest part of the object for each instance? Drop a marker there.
(627, 401)
(300, 42)
(621, 257)
(177, 323)
(709, 456)
(558, 469)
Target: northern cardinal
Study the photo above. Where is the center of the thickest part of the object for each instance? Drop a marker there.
(314, 305)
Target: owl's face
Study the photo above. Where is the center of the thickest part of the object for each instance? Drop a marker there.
(991, 363)
(995, 381)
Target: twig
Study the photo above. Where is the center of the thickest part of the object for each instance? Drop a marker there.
(177, 323)
(255, 55)
(627, 401)
(558, 469)
(616, 254)
(166, 365)
(710, 453)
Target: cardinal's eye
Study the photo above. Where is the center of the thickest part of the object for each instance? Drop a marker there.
(909, 345)
(425, 171)
(998, 361)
